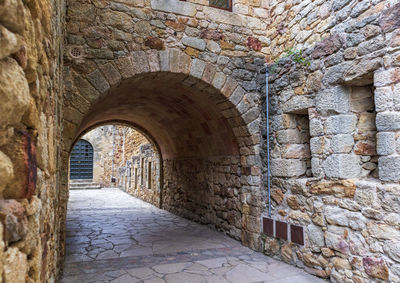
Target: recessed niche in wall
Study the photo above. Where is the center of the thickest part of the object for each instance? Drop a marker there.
(362, 104)
(295, 141)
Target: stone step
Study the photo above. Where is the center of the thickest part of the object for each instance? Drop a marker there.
(83, 185)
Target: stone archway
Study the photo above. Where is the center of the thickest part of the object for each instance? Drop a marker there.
(206, 125)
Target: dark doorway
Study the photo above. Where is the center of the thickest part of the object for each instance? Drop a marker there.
(81, 161)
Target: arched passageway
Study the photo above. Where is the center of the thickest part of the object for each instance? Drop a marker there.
(205, 126)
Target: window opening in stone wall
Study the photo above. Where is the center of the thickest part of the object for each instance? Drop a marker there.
(129, 177)
(149, 175)
(142, 171)
(136, 178)
(362, 104)
(295, 145)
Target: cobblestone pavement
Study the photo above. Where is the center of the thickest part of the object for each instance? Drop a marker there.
(114, 237)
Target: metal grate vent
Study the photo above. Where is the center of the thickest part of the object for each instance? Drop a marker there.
(75, 52)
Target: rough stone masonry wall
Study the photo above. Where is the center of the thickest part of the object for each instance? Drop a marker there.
(214, 199)
(139, 175)
(31, 37)
(219, 49)
(340, 180)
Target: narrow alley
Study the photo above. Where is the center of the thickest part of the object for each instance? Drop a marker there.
(114, 237)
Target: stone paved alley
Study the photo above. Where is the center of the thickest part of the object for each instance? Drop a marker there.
(114, 237)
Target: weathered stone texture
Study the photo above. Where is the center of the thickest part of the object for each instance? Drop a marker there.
(195, 75)
(351, 77)
(30, 88)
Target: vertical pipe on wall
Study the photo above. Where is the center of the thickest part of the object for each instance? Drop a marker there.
(268, 155)
(113, 149)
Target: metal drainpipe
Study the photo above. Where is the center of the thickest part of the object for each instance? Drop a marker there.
(268, 163)
(113, 149)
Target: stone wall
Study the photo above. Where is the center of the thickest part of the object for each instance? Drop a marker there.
(112, 143)
(31, 40)
(338, 181)
(139, 175)
(209, 192)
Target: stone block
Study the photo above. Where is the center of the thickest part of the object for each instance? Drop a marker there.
(180, 62)
(315, 237)
(388, 121)
(221, 16)
(125, 67)
(318, 145)
(376, 268)
(12, 214)
(152, 58)
(209, 73)
(22, 153)
(367, 122)
(6, 171)
(12, 15)
(289, 136)
(97, 79)
(389, 168)
(342, 166)
(118, 20)
(398, 145)
(197, 68)
(385, 143)
(237, 95)
(316, 127)
(229, 87)
(288, 167)
(342, 143)
(336, 242)
(164, 61)
(297, 151)
(396, 96)
(298, 104)
(341, 124)
(386, 77)
(9, 43)
(339, 188)
(361, 73)
(383, 99)
(316, 167)
(335, 100)
(14, 92)
(362, 99)
(15, 266)
(336, 216)
(194, 42)
(174, 6)
(366, 193)
(111, 73)
(140, 64)
(393, 250)
(219, 80)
